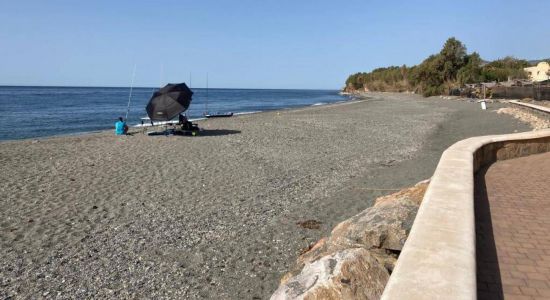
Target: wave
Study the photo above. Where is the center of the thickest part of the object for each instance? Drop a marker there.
(247, 112)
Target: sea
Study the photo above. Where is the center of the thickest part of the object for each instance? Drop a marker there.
(32, 112)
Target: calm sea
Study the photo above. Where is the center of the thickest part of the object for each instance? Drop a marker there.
(28, 112)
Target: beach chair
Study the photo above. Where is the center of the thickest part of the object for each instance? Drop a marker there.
(184, 126)
(187, 128)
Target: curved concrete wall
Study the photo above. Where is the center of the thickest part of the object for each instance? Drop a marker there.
(439, 259)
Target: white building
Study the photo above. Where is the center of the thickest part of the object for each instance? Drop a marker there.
(540, 72)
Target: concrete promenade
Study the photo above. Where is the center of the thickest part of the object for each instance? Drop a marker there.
(512, 208)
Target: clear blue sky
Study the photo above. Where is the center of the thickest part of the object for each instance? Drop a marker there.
(251, 43)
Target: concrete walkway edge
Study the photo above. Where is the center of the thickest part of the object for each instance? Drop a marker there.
(533, 106)
(439, 259)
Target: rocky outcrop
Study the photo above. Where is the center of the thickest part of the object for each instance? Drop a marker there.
(356, 260)
(350, 89)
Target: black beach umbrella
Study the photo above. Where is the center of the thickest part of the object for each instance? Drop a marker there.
(168, 102)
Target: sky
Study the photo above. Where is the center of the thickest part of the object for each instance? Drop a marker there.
(310, 44)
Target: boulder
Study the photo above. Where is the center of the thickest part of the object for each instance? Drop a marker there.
(374, 238)
(382, 228)
(348, 274)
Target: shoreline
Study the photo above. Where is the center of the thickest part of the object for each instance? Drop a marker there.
(214, 215)
(192, 120)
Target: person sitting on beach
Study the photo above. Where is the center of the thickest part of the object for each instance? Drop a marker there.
(120, 127)
(184, 122)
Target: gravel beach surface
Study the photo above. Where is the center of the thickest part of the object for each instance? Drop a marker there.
(215, 216)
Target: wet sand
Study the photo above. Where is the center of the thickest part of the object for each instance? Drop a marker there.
(212, 216)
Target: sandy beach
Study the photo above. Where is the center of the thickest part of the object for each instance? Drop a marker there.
(213, 216)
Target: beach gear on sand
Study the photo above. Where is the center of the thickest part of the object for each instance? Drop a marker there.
(168, 102)
(219, 115)
(185, 124)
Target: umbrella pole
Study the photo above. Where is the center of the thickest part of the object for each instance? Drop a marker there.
(130, 96)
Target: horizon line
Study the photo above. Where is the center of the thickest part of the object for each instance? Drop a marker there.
(147, 87)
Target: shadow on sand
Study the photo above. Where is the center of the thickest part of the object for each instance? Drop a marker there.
(489, 282)
(204, 132)
(217, 132)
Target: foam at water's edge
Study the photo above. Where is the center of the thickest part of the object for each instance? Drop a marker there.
(197, 119)
(247, 112)
(193, 119)
(156, 123)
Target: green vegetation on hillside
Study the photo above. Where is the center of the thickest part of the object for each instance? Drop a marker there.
(451, 68)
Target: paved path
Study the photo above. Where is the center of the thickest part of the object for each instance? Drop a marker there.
(513, 229)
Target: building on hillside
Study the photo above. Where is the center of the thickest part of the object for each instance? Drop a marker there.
(540, 72)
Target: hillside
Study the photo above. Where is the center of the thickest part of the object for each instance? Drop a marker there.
(451, 68)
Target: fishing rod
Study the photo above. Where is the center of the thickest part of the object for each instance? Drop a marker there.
(161, 74)
(130, 96)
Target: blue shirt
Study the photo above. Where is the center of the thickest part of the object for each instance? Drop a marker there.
(119, 127)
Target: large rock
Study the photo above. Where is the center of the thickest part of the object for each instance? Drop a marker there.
(348, 274)
(378, 233)
(382, 228)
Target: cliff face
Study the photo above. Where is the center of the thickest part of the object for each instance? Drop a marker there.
(350, 89)
(356, 260)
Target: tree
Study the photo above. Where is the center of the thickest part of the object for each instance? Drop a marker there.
(404, 73)
(504, 68)
(428, 77)
(471, 72)
(441, 72)
(453, 57)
